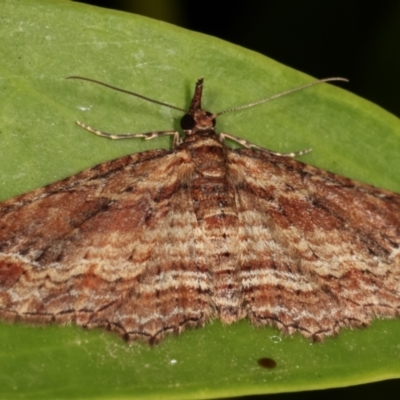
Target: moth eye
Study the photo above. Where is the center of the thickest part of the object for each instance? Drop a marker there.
(187, 122)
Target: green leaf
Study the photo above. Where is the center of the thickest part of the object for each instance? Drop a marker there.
(45, 41)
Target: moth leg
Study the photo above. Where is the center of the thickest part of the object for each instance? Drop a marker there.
(249, 145)
(146, 136)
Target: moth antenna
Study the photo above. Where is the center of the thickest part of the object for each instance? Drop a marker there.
(128, 92)
(281, 94)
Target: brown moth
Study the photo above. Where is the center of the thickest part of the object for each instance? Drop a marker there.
(158, 241)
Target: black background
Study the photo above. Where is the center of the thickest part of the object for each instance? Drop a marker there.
(357, 39)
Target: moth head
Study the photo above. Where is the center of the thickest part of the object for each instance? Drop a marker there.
(199, 120)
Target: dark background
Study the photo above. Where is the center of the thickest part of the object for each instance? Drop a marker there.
(357, 39)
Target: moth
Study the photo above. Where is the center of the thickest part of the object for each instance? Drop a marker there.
(155, 242)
